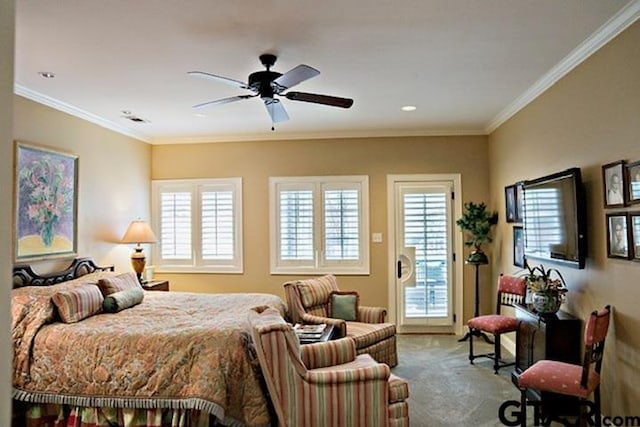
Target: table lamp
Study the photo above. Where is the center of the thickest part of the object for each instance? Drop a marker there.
(139, 232)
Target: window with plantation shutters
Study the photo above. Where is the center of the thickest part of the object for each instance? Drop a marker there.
(199, 223)
(319, 225)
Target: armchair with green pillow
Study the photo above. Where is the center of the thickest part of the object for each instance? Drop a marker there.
(319, 300)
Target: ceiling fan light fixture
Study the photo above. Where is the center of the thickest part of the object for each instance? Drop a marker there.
(268, 84)
(46, 74)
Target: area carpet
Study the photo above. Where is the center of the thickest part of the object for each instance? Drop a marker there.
(445, 389)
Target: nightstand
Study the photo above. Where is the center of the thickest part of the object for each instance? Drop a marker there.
(156, 285)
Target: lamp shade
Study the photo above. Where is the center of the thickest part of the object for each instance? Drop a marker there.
(139, 232)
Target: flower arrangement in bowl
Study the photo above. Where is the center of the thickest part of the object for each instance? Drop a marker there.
(547, 287)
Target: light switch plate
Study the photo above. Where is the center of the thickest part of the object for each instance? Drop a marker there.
(376, 237)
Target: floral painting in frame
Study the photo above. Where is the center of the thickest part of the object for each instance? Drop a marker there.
(46, 191)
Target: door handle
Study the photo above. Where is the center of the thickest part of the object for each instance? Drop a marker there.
(399, 270)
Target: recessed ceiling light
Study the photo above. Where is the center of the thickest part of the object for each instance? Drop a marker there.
(46, 74)
(408, 108)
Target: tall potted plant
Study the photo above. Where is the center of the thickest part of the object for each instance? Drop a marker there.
(476, 222)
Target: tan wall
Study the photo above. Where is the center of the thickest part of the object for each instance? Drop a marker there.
(589, 118)
(114, 178)
(6, 97)
(255, 162)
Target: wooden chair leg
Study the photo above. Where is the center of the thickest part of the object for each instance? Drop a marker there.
(496, 353)
(471, 346)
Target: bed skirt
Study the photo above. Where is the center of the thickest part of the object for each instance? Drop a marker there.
(59, 415)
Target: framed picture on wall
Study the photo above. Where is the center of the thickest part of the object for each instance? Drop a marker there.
(518, 246)
(634, 220)
(510, 202)
(633, 183)
(519, 201)
(618, 236)
(46, 192)
(613, 179)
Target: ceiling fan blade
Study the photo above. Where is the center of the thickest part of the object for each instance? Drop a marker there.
(227, 80)
(276, 110)
(294, 76)
(223, 101)
(333, 101)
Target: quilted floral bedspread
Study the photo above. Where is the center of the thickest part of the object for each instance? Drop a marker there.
(176, 350)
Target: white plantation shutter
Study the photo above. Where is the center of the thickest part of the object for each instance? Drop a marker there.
(200, 223)
(341, 225)
(217, 225)
(296, 225)
(175, 225)
(425, 229)
(319, 225)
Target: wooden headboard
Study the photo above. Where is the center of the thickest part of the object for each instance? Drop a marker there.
(23, 274)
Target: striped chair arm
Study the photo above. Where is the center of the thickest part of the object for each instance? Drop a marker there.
(330, 353)
(316, 320)
(371, 314)
(378, 372)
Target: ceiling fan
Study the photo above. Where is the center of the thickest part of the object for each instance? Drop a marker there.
(267, 84)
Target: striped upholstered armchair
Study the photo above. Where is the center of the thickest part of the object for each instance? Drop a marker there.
(325, 384)
(308, 302)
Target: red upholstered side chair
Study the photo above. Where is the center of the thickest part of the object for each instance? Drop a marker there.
(511, 290)
(569, 379)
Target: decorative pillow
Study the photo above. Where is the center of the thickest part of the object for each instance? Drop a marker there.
(344, 305)
(121, 282)
(78, 303)
(118, 301)
(316, 291)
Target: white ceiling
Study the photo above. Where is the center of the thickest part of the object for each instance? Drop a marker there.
(467, 65)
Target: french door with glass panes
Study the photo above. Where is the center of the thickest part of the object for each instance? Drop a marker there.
(421, 228)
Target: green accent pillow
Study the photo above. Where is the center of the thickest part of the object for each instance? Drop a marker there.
(343, 305)
(118, 301)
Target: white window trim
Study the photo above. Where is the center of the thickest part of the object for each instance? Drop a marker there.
(196, 264)
(319, 265)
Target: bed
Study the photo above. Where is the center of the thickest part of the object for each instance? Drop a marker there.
(175, 359)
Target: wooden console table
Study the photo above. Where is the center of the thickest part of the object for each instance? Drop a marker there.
(554, 337)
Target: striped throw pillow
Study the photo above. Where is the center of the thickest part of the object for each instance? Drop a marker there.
(78, 303)
(121, 282)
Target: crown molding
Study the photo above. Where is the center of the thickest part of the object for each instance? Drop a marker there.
(603, 35)
(18, 89)
(275, 136)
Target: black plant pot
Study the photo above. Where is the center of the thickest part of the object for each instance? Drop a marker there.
(478, 257)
